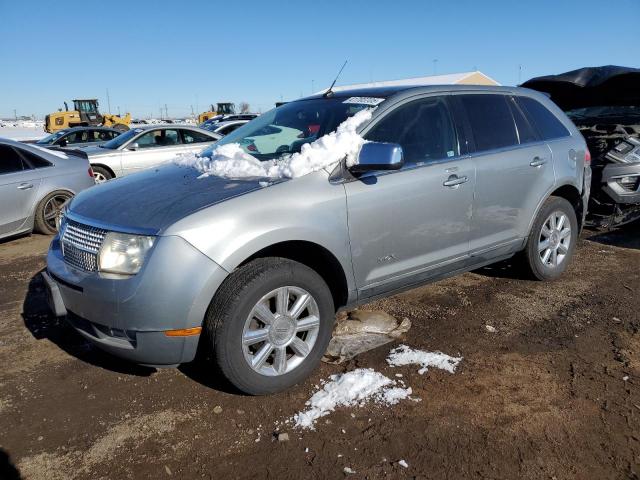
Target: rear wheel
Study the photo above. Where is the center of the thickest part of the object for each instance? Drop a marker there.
(269, 325)
(101, 174)
(48, 211)
(552, 241)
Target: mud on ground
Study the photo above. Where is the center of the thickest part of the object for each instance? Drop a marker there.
(552, 393)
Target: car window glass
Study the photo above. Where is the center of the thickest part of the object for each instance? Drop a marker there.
(191, 136)
(228, 129)
(10, 161)
(526, 134)
(491, 121)
(158, 138)
(545, 122)
(423, 128)
(33, 160)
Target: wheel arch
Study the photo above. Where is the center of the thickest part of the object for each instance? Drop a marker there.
(570, 193)
(314, 256)
(106, 167)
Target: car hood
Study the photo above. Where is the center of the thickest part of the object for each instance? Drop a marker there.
(150, 201)
(590, 87)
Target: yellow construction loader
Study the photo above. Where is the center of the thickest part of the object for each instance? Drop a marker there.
(85, 113)
(223, 108)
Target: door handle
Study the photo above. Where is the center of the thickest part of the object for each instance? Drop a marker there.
(454, 181)
(25, 186)
(538, 162)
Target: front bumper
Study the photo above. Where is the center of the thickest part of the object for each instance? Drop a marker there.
(128, 316)
(610, 176)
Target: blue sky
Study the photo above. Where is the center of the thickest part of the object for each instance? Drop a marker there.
(191, 53)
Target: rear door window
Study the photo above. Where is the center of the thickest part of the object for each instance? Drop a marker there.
(526, 133)
(423, 128)
(545, 122)
(491, 121)
(191, 136)
(10, 161)
(32, 160)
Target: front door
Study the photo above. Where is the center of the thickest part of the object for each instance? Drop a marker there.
(408, 225)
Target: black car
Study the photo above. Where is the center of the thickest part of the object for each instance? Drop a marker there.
(78, 137)
(604, 103)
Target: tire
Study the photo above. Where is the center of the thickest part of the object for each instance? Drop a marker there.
(120, 127)
(101, 174)
(48, 210)
(234, 317)
(551, 262)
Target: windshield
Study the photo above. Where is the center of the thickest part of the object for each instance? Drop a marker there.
(283, 131)
(604, 111)
(121, 139)
(51, 138)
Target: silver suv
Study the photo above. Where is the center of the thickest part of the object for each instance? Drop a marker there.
(157, 265)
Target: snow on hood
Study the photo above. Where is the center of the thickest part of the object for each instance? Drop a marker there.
(231, 161)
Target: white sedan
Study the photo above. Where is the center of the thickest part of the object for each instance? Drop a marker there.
(145, 147)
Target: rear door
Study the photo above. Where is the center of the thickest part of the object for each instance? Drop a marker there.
(19, 185)
(154, 147)
(514, 172)
(408, 225)
(194, 141)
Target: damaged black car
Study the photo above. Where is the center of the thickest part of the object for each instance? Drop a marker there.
(604, 103)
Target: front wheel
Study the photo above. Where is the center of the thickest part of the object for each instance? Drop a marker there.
(269, 325)
(553, 239)
(100, 174)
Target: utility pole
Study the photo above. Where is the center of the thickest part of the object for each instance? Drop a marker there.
(15, 114)
(519, 74)
(161, 116)
(119, 111)
(312, 86)
(166, 110)
(435, 65)
(108, 101)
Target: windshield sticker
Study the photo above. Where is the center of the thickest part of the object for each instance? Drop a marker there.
(364, 100)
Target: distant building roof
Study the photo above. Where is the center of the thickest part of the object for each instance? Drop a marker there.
(464, 78)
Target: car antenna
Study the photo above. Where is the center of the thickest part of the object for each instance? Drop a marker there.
(329, 92)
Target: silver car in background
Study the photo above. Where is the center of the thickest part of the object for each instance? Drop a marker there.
(145, 147)
(451, 178)
(34, 185)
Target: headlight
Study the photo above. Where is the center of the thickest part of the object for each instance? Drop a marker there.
(123, 253)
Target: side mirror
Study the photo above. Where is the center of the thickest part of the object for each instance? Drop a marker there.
(133, 146)
(378, 156)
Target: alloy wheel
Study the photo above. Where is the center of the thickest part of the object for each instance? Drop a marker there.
(52, 209)
(555, 238)
(280, 331)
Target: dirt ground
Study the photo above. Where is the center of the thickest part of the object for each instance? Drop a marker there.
(553, 393)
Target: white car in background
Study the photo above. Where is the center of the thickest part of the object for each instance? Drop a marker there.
(145, 147)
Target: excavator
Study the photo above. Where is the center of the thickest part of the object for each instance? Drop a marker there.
(223, 108)
(85, 113)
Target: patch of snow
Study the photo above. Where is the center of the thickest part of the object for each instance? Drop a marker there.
(232, 161)
(404, 464)
(490, 328)
(404, 355)
(348, 471)
(353, 388)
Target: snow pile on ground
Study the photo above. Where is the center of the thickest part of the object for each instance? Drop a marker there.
(232, 161)
(350, 389)
(22, 133)
(404, 355)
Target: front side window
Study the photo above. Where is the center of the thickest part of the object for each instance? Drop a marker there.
(76, 137)
(423, 128)
(10, 161)
(191, 136)
(159, 138)
(491, 121)
(545, 122)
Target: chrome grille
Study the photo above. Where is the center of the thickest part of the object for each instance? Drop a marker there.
(81, 244)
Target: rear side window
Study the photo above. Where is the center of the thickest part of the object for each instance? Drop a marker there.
(191, 136)
(32, 160)
(423, 128)
(10, 161)
(491, 121)
(526, 133)
(548, 126)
